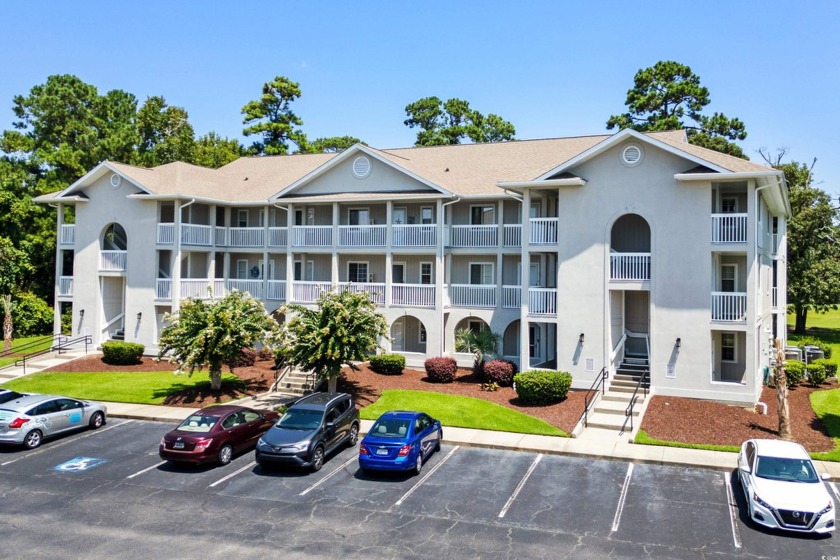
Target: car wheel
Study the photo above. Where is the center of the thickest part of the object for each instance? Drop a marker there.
(225, 454)
(418, 466)
(354, 435)
(317, 460)
(33, 439)
(97, 420)
(437, 443)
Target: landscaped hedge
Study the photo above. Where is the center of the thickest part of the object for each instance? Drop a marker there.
(542, 386)
(830, 367)
(500, 371)
(795, 372)
(388, 364)
(441, 370)
(816, 373)
(119, 353)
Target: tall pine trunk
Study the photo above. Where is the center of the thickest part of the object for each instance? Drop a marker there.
(801, 319)
(7, 323)
(782, 394)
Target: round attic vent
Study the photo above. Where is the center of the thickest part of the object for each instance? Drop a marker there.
(632, 155)
(116, 180)
(361, 167)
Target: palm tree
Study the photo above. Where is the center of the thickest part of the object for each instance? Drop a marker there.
(482, 343)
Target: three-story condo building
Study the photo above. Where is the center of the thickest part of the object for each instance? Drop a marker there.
(581, 252)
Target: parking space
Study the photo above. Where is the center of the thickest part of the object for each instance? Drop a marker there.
(558, 498)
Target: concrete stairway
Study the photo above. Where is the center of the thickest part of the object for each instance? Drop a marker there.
(610, 412)
(39, 363)
(296, 383)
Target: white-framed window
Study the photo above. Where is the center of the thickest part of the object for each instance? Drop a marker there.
(484, 214)
(477, 326)
(242, 218)
(534, 211)
(310, 216)
(481, 273)
(728, 347)
(241, 269)
(426, 215)
(358, 216)
(398, 215)
(729, 278)
(305, 274)
(357, 271)
(426, 273)
(533, 341)
(728, 204)
(422, 334)
(398, 273)
(270, 271)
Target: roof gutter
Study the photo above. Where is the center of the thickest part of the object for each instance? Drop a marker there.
(722, 177)
(570, 182)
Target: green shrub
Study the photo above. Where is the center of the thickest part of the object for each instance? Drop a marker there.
(119, 353)
(500, 372)
(31, 315)
(830, 367)
(387, 364)
(541, 386)
(795, 372)
(816, 373)
(441, 370)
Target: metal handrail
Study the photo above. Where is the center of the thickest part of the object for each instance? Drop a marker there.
(600, 382)
(32, 343)
(61, 347)
(628, 412)
(284, 371)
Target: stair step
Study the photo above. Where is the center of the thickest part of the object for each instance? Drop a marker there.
(626, 377)
(606, 421)
(615, 407)
(624, 397)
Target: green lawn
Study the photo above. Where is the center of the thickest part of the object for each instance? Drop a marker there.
(461, 412)
(822, 326)
(827, 406)
(129, 387)
(24, 341)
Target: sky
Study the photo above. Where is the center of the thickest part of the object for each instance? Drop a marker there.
(552, 68)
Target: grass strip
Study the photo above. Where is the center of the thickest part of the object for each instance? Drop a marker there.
(826, 405)
(644, 439)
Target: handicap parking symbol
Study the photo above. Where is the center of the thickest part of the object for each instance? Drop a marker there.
(79, 464)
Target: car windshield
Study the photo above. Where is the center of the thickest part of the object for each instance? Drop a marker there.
(390, 428)
(9, 396)
(297, 419)
(6, 414)
(779, 468)
(198, 423)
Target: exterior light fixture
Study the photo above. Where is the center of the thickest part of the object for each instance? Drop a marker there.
(581, 338)
(81, 313)
(139, 315)
(679, 342)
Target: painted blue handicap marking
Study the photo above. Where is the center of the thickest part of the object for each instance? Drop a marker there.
(75, 417)
(79, 464)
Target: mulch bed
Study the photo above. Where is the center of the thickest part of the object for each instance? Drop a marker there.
(667, 418)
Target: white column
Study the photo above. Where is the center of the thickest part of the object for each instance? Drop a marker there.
(439, 277)
(290, 257)
(525, 264)
(59, 271)
(176, 256)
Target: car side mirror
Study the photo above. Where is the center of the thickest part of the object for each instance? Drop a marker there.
(330, 425)
(825, 476)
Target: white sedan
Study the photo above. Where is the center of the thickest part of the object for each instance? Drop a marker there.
(782, 487)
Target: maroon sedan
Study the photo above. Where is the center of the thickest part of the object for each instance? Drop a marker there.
(215, 433)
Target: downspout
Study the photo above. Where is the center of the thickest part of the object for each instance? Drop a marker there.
(442, 329)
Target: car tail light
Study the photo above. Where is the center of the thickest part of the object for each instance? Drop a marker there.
(203, 444)
(163, 441)
(363, 450)
(17, 423)
(404, 451)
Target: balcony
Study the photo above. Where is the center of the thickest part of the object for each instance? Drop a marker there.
(65, 286)
(512, 235)
(202, 288)
(312, 236)
(414, 235)
(361, 236)
(542, 301)
(112, 261)
(474, 236)
(276, 290)
(630, 266)
(413, 295)
(309, 292)
(729, 307)
(163, 289)
(472, 295)
(544, 231)
(376, 290)
(68, 234)
(193, 234)
(246, 237)
(512, 297)
(278, 236)
(253, 287)
(729, 228)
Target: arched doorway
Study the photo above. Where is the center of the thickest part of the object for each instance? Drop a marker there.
(408, 334)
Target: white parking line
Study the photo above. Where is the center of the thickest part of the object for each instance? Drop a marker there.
(733, 511)
(428, 474)
(65, 442)
(329, 476)
(622, 497)
(513, 496)
(138, 473)
(250, 465)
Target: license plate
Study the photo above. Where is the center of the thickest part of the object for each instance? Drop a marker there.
(381, 451)
(178, 445)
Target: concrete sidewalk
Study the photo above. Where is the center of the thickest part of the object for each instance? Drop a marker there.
(597, 444)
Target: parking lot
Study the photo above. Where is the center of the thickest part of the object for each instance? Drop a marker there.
(107, 493)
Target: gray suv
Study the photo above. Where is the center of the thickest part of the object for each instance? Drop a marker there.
(310, 429)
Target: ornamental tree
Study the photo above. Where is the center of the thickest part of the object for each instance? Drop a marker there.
(449, 122)
(343, 327)
(211, 334)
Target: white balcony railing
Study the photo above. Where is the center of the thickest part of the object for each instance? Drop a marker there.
(542, 301)
(65, 286)
(415, 235)
(253, 287)
(376, 290)
(512, 296)
(193, 234)
(309, 292)
(163, 288)
(544, 230)
(202, 288)
(729, 228)
(68, 234)
(630, 266)
(729, 306)
(512, 235)
(312, 236)
(413, 295)
(166, 234)
(246, 237)
(277, 237)
(361, 236)
(471, 295)
(474, 236)
(221, 235)
(774, 294)
(276, 290)
(113, 261)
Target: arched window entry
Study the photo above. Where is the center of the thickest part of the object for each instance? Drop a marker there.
(630, 249)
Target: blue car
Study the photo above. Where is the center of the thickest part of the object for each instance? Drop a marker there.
(400, 441)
